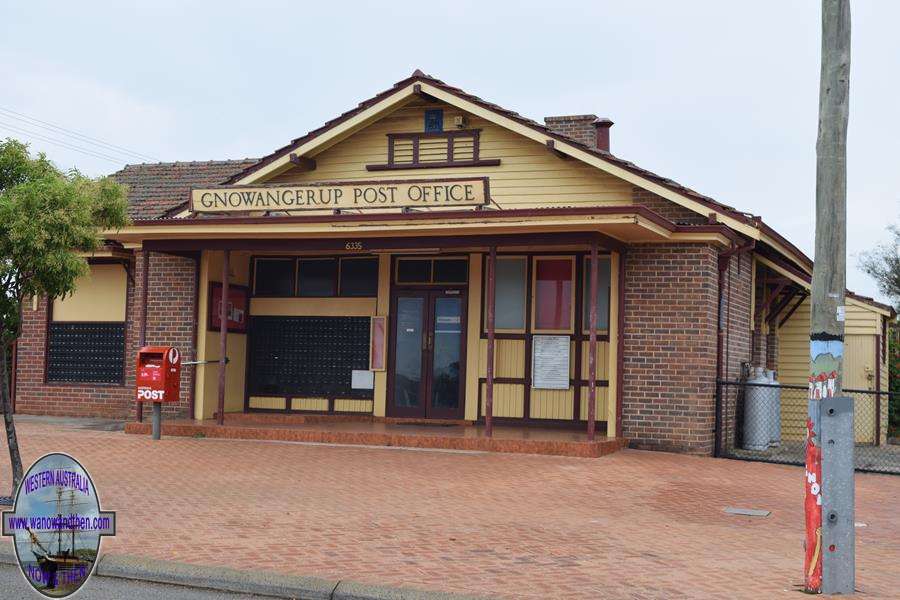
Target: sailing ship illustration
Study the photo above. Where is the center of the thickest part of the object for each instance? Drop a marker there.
(66, 565)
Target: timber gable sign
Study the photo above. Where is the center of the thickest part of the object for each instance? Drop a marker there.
(343, 195)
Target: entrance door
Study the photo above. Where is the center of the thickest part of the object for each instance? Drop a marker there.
(428, 358)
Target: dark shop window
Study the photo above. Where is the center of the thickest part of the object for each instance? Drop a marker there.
(413, 270)
(359, 277)
(317, 277)
(451, 271)
(86, 352)
(274, 277)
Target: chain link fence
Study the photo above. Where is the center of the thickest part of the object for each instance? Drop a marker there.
(767, 422)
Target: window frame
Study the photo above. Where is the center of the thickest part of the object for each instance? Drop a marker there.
(525, 316)
(335, 279)
(256, 259)
(574, 299)
(340, 269)
(296, 258)
(396, 270)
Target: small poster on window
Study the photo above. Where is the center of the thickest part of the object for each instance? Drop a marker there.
(550, 362)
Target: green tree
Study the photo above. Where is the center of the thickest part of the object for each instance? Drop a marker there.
(46, 219)
(883, 265)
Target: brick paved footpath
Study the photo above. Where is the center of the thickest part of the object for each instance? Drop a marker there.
(631, 525)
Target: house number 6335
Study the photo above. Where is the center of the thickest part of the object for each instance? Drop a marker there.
(353, 246)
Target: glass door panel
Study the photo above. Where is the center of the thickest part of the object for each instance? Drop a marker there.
(407, 384)
(446, 354)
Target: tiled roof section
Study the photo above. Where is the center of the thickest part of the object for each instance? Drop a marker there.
(156, 188)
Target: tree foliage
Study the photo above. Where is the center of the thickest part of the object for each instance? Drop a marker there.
(883, 265)
(46, 218)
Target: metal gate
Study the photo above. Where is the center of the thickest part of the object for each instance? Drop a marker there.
(767, 422)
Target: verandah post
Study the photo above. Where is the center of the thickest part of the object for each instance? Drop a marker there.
(142, 330)
(223, 338)
(592, 349)
(489, 384)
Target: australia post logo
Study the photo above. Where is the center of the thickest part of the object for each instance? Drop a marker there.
(151, 395)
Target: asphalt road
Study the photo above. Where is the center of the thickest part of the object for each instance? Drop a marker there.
(14, 587)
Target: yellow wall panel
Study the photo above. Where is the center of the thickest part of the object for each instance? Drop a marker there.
(509, 358)
(313, 307)
(352, 405)
(509, 400)
(267, 402)
(99, 296)
(552, 404)
(859, 369)
(473, 332)
(309, 404)
(601, 402)
(529, 175)
(208, 341)
(602, 360)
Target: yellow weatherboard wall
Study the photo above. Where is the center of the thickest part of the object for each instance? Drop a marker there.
(861, 327)
(99, 296)
(206, 388)
(529, 175)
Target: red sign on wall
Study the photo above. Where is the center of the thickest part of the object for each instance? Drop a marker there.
(237, 308)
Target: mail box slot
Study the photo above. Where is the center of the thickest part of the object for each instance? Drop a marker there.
(158, 374)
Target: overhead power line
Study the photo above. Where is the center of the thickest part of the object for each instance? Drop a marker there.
(63, 144)
(80, 137)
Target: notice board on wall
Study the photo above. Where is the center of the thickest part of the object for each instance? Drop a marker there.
(550, 362)
(307, 356)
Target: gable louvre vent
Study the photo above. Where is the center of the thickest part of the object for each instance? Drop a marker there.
(458, 148)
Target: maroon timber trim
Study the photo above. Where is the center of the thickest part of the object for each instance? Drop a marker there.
(369, 245)
(194, 333)
(592, 340)
(418, 163)
(620, 343)
(486, 162)
(491, 308)
(142, 330)
(223, 339)
(512, 213)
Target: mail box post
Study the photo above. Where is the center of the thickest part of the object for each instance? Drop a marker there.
(158, 379)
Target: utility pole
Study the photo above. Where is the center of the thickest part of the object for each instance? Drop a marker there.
(829, 551)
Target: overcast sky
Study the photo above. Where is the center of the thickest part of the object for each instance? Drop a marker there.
(720, 96)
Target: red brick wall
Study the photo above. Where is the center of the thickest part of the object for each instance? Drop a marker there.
(580, 128)
(170, 319)
(666, 208)
(736, 338)
(669, 359)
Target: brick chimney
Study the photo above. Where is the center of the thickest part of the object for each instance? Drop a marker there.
(586, 129)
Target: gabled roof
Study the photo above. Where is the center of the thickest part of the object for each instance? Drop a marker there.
(419, 76)
(746, 223)
(153, 203)
(156, 188)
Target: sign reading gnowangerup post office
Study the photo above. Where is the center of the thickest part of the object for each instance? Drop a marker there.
(343, 195)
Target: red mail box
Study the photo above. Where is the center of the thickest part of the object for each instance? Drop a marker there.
(158, 374)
